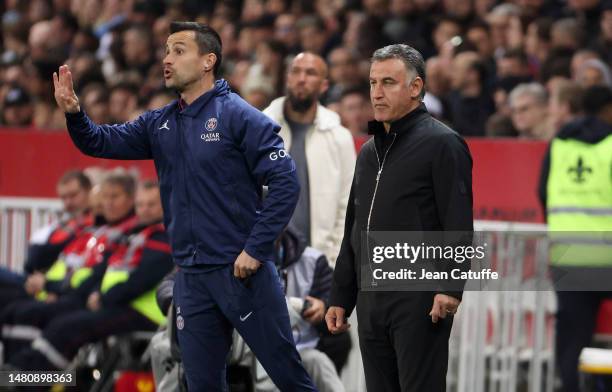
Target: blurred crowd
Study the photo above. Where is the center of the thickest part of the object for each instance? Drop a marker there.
(513, 68)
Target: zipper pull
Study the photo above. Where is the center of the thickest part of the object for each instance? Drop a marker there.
(378, 175)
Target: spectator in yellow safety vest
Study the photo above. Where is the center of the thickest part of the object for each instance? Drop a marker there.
(124, 302)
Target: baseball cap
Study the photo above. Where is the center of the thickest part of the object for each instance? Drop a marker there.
(16, 96)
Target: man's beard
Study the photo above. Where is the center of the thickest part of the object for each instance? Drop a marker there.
(300, 105)
(179, 84)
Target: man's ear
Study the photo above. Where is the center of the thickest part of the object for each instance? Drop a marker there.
(415, 87)
(324, 86)
(209, 62)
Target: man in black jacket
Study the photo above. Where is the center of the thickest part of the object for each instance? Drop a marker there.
(413, 175)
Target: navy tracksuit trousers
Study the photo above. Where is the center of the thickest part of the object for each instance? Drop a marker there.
(210, 304)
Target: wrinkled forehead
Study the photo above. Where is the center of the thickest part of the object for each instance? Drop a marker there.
(112, 189)
(393, 68)
(185, 37)
(146, 195)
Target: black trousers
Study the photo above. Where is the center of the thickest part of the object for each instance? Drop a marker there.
(336, 347)
(576, 319)
(402, 350)
(64, 335)
(22, 320)
(11, 293)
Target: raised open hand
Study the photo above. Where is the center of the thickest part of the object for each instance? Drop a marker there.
(64, 91)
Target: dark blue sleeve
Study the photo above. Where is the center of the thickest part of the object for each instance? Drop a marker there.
(55, 286)
(42, 256)
(92, 283)
(120, 141)
(271, 165)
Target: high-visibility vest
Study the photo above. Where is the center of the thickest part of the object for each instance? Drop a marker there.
(71, 259)
(123, 262)
(71, 228)
(579, 203)
(76, 262)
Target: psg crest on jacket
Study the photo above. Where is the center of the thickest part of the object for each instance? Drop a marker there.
(211, 124)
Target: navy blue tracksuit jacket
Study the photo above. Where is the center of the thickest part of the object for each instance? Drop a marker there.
(211, 159)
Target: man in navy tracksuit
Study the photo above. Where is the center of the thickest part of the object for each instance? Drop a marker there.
(213, 152)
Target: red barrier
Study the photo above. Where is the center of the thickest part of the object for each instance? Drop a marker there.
(505, 171)
(505, 179)
(32, 161)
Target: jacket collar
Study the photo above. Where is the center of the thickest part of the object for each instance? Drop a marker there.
(401, 126)
(325, 119)
(141, 226)
(589, 129)
(221, 88)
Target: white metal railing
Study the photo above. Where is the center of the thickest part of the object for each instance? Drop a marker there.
(19, 218)
(503, 340)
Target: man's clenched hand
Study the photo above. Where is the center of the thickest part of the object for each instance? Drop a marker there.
(336, 322)
(245, 265)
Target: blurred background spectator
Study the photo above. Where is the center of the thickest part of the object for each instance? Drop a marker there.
(477, 53)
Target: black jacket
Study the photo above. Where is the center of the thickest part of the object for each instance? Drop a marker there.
(425, 184)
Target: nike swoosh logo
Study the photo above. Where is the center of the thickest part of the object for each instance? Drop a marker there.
(246, 316)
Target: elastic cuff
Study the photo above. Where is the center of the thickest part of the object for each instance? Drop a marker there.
(254, 253)
(343, 299)
(74, 116)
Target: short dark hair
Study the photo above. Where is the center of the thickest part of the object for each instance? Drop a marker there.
(149, 184)
(125, 181)
(596, 98)
(517, 54)
(543, 26)
(206, 37)
(128, 86)
(311, 21)
(479, 24)
(572, 94)
(480, 68)
(412, 59)
(78, 176)
(357, 90)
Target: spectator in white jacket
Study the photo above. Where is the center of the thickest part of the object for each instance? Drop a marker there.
(323, 150)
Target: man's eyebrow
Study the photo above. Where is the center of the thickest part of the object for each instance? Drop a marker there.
(385, 79)
(175, 43)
